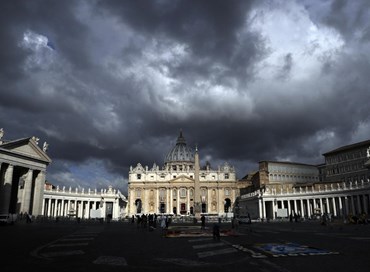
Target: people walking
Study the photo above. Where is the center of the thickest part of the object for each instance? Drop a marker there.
(203, 222)
(216, 231)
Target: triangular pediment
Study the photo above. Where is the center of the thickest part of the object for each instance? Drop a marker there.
(26, 147)
(181, 179)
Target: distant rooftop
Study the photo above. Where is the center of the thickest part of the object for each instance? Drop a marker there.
(348, 147)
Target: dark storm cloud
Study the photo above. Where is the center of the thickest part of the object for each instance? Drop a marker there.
(244, 80)
(213, 32)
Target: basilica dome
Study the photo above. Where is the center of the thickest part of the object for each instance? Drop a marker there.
(180, 152)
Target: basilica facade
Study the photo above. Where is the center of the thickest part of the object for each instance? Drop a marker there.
(181, 186)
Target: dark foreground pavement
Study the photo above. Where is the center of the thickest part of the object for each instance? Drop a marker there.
(265, 247)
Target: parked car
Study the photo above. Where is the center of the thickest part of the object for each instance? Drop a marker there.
(8, 219)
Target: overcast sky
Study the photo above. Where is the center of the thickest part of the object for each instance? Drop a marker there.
(109, 84)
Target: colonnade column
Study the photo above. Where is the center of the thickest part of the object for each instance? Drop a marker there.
(309, 207)
(353, 205)
(295, 206)
(346, 205)
(38, 193)
(274, 209)
(260, 208)
(188, 200)
(68, 206)
(178, 201)
(340, 206)
(171, 200)
(365, 203)
(27, 189)
(334, 207)
(302, 211)
(327, 205)
(359, 210)
(6, 189)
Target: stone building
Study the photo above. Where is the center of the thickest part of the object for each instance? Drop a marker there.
(181, 186)
(340, 186)
(348, 163)
(107, 204)
(22, 175)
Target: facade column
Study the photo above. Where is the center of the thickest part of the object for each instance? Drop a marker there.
(353, 205)
(27, 189)
(346, 205)
(295, 206)
(289, 207)
(308, 208)
(38, 194)
(274, 209)
(54, 207)
(178, 200)
(321, 206)
(171, 200)
(327, 205)
(302, 210)
(68, 206)
(187, 200)
(6, 189)
(49, 207)
(334, 207)
(340, 206)
(260, 208)
(43, 207)
(364, 202)
(359, 210)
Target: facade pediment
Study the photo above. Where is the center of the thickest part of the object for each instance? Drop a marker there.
(182, 179)
(138, 169)
(27, 148)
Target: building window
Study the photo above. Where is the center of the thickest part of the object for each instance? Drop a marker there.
(204, 192)
(138, 176)
(182, 192)
(226, 176)
(138, 193)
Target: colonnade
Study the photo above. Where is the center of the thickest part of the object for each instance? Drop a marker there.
(308, 207)
(79, 203)
(21, 189)
(341, 200)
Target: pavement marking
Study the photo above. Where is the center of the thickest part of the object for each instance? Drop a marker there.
(63, 253)
(77, 239)
(68, 245)
(208, 245)
(183, 262)
(82, 234)
(253, 253)
(216, 252)
(111, 260)
(291, 250)
(200, 240)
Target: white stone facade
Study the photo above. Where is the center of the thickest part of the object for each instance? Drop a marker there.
(22, 175)
(176, 187)
(84, 204)
(339, 199)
